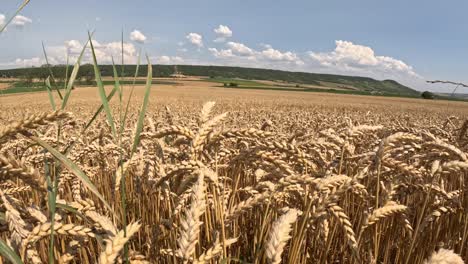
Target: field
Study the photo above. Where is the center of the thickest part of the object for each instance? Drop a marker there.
(259, 177)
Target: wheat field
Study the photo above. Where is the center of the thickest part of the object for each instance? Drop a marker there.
(258, 177)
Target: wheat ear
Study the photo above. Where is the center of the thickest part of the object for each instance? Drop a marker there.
(116, 244)
(279, 236)
(191, 223)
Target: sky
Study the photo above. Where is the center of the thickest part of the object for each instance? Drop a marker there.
(408, 41)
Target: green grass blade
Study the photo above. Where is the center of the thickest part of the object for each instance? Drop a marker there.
(66, 72)
(75, 70)
(99, 110)
(50, 71)
(52, 200)
(90, 122)
(72, 167)
(123, 65)
(116, 80)
(2, 28)
(141, 118)
(102, 91)
(119, 89)
(49, 91)
(131, 91)
(9, 254)
(73, 211)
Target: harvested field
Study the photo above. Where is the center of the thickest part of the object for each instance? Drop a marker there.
(258, 177)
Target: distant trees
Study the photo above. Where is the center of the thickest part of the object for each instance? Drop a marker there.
(87, 73)
(427, 95)
(28, 76)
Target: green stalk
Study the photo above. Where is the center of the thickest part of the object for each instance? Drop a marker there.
(72, 167)
(66, 72)
(131, 91)
(49, 91)
(141, 118)
(102, 91)
(50, 72)
(73, 75)
(9, 254)
(52, 200)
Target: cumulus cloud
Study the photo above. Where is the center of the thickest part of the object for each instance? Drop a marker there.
(350, 57)
(346, 58)
(105, 51)
(224, 53)
(195, 39)
(241, 54)
(240, 49)
(169, 60)
(222, 32)
(276, 55)
(22, 63)
(36, 61)
(137, 36)
(20, 21)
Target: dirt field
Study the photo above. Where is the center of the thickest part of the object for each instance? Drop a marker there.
(4, 85)
(271, 176)
(197, 92)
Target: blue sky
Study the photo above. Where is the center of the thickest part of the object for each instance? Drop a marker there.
(409, 41)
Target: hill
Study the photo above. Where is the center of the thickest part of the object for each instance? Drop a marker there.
(339, 82)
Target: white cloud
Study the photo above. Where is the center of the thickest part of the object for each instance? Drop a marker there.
(73, 46)
(58, 54)
(276, 55)
(222, 33)
(257, 58)
(265, 46)
(224, 53)
(169, 60)
(137, 36)
(351, 58)
(2, 19)
(240, 49)
(22, 63)
(36, 61)
(104, 52)
(20, 21)
(195, 39)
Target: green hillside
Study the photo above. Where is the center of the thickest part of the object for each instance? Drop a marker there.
(358, 84)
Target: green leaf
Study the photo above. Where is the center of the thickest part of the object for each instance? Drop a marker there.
(50, 71)
(99, 110)
(102, 91)
(141, 118)
(75, 70)
(131, 92)
(49, 91)
(66, 72)
(72, 210)
(52, 200)
(72, 167)
(9, 254)
(116, 80)
(90, 122)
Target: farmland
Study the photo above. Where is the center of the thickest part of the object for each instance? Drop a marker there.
(260, 176)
